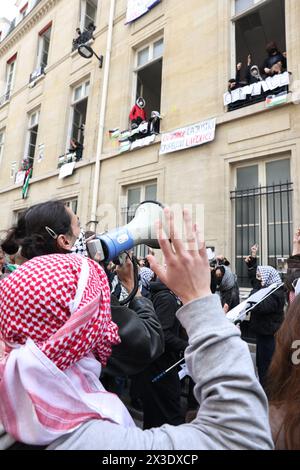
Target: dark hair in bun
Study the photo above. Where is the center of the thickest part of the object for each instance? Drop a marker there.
(30, 233)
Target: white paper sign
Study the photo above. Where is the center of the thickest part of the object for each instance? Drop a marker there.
(66, 170)
(248, 89)
(256, 89)
(284, 79)
(20, 177)
(187, 137)
(227, 98)
(235, 95)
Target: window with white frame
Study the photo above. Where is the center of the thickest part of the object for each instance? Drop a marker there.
(32, 134)
(72, 204)
(263, 212)
(134, 196)
(88, 13)
(148, 73)
(10, 75)
(257, 23)
(79, 112)
(2, 133)
(43, 47)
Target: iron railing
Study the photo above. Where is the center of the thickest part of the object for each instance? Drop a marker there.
(263, 215)
(83, 38)
(250, 100)
(37, 73)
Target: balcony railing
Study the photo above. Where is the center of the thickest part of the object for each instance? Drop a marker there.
(37, 73)
(257, 92)
(82, 38)
(68, 158)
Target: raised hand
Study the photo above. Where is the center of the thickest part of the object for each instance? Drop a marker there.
(186, 271)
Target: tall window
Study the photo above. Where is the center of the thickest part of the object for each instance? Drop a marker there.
(88, 13)
(32, 133)
(79, 112)
(257, 22)
(263, 209)
(10, 75)
(1, 144)
(134, 196)
(44, 45)
(149, 62)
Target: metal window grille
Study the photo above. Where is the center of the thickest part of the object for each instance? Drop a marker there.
(262, 215)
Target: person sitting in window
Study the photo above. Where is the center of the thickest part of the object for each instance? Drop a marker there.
(138, 114)
(154, 123)
(76, 41)
(275, 62)
(77, 148)
(88, 33)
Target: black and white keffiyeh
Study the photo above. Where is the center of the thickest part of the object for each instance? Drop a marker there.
(80, 245)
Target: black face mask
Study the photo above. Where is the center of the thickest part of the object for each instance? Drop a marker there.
(273, 51)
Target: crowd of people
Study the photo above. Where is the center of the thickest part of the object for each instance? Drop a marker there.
(70, 333)
(274, 64)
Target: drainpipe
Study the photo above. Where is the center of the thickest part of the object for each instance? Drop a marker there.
(102, 116)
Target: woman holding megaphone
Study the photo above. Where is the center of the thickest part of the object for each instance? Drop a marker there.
(232, 412)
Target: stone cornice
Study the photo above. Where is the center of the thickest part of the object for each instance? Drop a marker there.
(26, 25)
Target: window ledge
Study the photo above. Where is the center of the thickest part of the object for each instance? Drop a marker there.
(126, 152)
(6, 102)
(36, 80)
(250, 111)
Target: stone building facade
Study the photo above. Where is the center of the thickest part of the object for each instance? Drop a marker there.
(179, 56)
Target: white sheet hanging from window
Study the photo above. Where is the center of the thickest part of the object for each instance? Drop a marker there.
(137, 8)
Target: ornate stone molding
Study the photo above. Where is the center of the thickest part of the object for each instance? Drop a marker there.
(26, 24)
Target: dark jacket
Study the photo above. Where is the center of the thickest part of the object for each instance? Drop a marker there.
(274, 59)
(228, 288)
(293, 271)
(251, 78)
(141, 337)
(166, 305)
(267, 317)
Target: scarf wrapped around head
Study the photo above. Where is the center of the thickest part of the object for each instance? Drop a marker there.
(54, 314)
(269, 275)
(41, 301)
(229, 279)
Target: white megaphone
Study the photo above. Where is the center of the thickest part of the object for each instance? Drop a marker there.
(140, 231)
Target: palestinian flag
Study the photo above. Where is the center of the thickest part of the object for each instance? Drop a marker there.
(25, 188)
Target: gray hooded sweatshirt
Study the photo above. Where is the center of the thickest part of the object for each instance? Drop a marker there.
(233, 412)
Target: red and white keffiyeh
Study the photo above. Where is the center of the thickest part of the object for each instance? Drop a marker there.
(54, 312)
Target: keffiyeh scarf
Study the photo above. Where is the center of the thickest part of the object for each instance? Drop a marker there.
(269, 275)
(54, 315)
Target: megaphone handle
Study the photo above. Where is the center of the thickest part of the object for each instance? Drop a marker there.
(136, 283)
